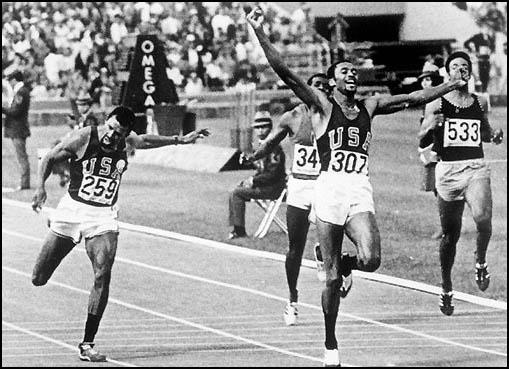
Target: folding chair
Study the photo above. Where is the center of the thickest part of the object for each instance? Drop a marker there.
(270, 207)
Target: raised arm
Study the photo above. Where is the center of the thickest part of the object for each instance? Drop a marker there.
(146, 141)
(70, 147)
(310, 96)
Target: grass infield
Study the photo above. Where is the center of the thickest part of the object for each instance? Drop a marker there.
(196, 203)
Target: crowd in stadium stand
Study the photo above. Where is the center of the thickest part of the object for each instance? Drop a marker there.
(67, 47)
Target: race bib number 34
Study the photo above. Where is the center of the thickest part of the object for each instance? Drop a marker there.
(305, 160)
(348, 162)
(462, 132)
(98, 189)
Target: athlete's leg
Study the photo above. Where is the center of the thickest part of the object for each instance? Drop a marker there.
(362, 229)
(54, 249)
(298, 225)
(101, 250)
(450, 219)
(478, 198)
(331, 239)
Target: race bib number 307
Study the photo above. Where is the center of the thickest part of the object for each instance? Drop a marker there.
(305, 160)
(348, 162)
(98, 189)
(462, 132)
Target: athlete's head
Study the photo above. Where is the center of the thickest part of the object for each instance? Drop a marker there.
(119, 124)
(343, 75)
(262, 124)
(459, 66)
(320, 81)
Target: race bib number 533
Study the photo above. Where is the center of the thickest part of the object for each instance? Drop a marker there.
(348, 162)
(98, 189)
(462, 132)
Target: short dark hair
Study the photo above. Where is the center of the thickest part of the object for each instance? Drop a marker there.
(332, 68)
(316, 75)
(458, 54)
(17, 75)
(125, 116)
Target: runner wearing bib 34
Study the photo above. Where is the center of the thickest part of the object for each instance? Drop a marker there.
(343, 199)
(296, 124)
(459, 122)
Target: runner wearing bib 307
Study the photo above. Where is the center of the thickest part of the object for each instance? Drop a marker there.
(459, 122)
(341, 125)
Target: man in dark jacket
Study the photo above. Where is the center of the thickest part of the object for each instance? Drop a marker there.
(16, 124)
(267, 183)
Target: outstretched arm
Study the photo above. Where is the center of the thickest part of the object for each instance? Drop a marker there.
(146, 141)
(391, 104)
(309, 95)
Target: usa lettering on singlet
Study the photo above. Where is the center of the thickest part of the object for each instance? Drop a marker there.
(459, 137)
(343, 148)
(306, 161)
(95, 178)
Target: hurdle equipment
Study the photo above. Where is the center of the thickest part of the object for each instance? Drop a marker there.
(270, 207)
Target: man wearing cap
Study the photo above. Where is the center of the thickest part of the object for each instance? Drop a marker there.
(16, 124)
(267, 182)
(459, 121)
(430, 77)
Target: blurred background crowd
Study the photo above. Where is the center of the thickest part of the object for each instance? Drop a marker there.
(68, 48)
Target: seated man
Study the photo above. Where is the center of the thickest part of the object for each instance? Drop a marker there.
(267, 183)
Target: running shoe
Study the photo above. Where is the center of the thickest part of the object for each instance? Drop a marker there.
(234, 235)
(88, 353)
(331, 358)
(320, 271)
(291, 313)
(446, 306)
(482, 277)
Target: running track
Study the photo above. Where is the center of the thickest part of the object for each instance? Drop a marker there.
(176, 303)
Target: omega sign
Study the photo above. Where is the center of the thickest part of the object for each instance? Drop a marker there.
(147, 63)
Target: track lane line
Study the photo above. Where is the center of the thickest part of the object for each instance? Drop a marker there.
(376, 277)
(57, 342)
(175, 319)
(278, 298)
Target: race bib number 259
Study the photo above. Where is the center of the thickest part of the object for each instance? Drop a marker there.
(462, 132)
(98, 189)
(348, 162)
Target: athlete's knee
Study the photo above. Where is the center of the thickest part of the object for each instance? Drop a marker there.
(102, 276)
(370, 263)
(483, 222)
(334, 282)
(451, 235)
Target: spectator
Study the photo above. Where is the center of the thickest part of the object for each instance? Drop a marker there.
(16, 124)
(194, 85)
(118, 29)
(267, 183)
(483, 45)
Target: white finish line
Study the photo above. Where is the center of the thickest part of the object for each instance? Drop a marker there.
(400, 282)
